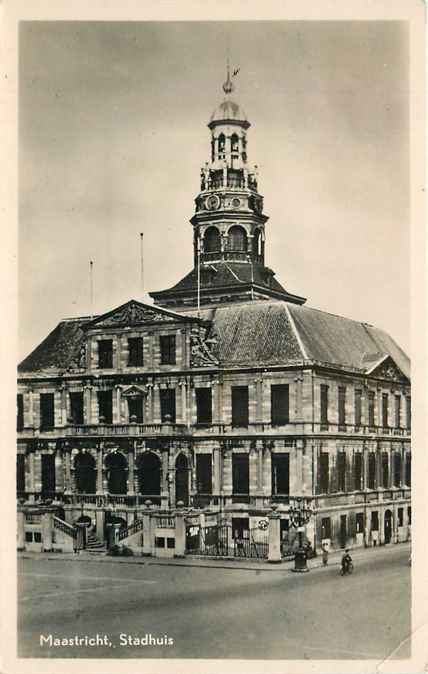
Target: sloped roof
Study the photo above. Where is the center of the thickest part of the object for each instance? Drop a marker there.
(220, 274)
(59, 349)
(260, 333)
(334, 339)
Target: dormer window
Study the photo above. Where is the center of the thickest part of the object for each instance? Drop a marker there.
(105, 354)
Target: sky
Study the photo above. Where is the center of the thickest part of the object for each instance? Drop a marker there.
(113, 132)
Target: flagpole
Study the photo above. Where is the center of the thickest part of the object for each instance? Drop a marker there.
(198, 240)
(141, 266)
(91, 284)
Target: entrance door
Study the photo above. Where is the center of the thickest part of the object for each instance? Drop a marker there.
(388, 526)
(181, 480)
(342, 533)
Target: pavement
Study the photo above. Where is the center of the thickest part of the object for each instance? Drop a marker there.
(239, 609)
(232, 563)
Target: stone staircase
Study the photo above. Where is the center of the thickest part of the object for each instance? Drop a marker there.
(94, 545)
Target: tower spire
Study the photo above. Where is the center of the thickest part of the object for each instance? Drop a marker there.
(228, 85)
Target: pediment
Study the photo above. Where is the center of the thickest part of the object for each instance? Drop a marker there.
(135, 313)
(387, 368)
(134, 392)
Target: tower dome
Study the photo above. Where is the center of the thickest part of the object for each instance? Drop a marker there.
(228, 112)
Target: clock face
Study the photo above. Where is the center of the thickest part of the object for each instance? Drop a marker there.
(213, 202)
(236, 202)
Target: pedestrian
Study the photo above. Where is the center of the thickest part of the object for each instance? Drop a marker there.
(325, 554)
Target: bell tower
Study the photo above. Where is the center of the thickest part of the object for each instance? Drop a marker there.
(228, 223)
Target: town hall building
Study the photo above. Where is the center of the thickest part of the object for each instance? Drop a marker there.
(227, 396)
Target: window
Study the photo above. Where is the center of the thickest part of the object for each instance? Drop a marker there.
(167, 349)
(28, 536)
(20, 472)
(280, 412)
(19, 412)
(408, 470)
(170, 543)
(325, 528)
(234, 141)
(211, 240)
(372, 471)
(105, 354)
(342, 405)
(359, 523)
(341, 470)
(76, 407)
(324, 477)
(358, 470)
(397, 469)
(203, 473)
(385, 470)
(408, 412)
(240, 474)
(136, 352)
(221, 142)
(105, 407)
(358, 396)
(240, 406)
(159, 542)
(375, 520)
(400, 516)
(371, 400)
(135, 409)
(237, 238)
(385, 410)
(203, 405)
(280, 474)
(47, 420)
(324, 405)
(397, 411)
(167, 405)
(409, 515)
(48, 474)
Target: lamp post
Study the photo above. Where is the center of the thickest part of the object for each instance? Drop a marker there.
(300, 514)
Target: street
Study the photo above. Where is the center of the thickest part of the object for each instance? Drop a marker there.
(196, 612)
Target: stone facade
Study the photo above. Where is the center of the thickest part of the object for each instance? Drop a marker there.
(246, 403)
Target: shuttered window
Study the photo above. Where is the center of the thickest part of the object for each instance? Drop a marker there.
(372, 471)
(240, 406)
(358, 395)
(76, 407)
(324, 404)
(105, 407)
(280, 474)
(47, 411)
(240, 474)
(167, 404)
(203, 473)
(280, 412)
(371, 410)
(342, 405)
(203, 405)
(136, 352)
(167, 349)
(105, 354)
(324, 472)
(385, 401)
(341, 470)
(19, 412)
(358, 471)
